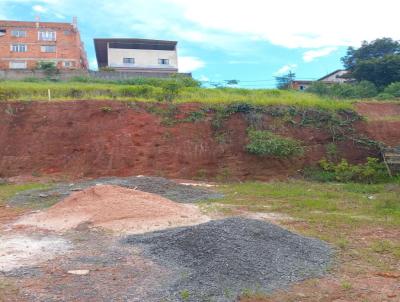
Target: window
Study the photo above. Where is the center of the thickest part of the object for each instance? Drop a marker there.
(18, 65)
(19, 48)
(48, 48)
(68, 64)
(18, 33)
(163, 61)
(128, 60)
(67, 32)
(2, 32)
(47, 35)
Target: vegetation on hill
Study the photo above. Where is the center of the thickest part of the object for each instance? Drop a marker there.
(375, 68)
(176, 90)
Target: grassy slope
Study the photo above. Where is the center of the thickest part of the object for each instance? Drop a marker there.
(27, 91)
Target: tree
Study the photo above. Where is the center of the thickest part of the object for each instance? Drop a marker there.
(49, 68)
(380, 71)
(377, 62)
(285, 81)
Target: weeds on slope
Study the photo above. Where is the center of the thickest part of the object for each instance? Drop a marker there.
(173, 91)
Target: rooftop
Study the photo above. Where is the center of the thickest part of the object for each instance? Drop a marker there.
(32, 24)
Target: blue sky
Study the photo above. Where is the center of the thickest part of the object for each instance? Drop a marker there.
(251, 41)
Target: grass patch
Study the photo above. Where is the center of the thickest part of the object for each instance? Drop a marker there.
(309, 200)
(152, 92)
(9, 190)
(266, 143)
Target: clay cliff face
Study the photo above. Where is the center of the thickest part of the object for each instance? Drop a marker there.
(99, 138)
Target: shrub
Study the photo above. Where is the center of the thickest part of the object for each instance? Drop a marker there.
(49, 68)
(363, 89)
(372, 171)
(266, 143)
(145, 91)
(171, 89)
(393, 90)
(7, 94)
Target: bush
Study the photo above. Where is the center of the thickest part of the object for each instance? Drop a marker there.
(265, 143)
(393, 90)
(171, 89)
(49, 68)
(372, 171)
(145, 91)
(8, 94)
(363, 89)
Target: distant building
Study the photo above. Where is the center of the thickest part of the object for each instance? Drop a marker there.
(24, 44)
(301, 84)
(137, 55)
(336, 77)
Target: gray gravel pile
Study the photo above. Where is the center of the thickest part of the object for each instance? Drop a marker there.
(156, 185)
(220, 259)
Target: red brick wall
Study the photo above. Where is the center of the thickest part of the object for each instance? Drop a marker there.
(68, 46)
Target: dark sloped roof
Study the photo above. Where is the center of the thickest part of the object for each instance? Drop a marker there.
(100, 46)
(332, 73)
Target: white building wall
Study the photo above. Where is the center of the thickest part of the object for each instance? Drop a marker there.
(144, 58)
(336, 77)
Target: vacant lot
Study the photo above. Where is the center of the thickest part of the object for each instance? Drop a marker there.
(361, 222)
(175, 92)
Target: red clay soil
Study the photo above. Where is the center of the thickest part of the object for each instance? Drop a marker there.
(115, 208)
(79, 139)
(383, 122)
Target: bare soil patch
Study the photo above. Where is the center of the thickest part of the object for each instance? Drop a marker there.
(17, 250)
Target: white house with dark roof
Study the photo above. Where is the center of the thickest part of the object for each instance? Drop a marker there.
(137, 55)
(335, 77)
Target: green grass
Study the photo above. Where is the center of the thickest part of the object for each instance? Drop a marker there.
(335, 212)
(38, 91)
(9, 190)
(347, 203)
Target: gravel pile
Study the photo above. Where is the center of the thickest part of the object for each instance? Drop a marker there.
(218, 260)
(157, 185)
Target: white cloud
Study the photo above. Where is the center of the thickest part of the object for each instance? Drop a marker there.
(292, 24)
(190, 64)
(285, 69)
(204, 78)
(39, 9)
(310, 55)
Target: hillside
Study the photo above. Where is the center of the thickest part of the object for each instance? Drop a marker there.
(87, 138)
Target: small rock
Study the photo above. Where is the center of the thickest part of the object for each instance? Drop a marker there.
(80, 272)
(371, 197)
(43, 195)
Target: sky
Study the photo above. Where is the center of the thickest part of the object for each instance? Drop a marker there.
(252, 41)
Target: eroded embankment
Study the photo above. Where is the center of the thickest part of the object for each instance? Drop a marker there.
(98, 138)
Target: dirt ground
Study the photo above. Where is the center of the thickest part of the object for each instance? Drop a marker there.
(114, 208)
(45, 269)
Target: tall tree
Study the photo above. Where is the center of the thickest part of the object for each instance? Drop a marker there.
(377, 61)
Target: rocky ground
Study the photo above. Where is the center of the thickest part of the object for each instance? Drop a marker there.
(212, 261)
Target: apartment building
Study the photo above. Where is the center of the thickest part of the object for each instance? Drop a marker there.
(142, 56)
(24, 44)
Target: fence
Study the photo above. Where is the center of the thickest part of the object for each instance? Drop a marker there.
(69, 74)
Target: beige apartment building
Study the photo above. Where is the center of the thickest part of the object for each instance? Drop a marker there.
(137, 55)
